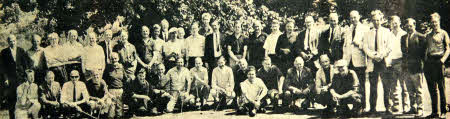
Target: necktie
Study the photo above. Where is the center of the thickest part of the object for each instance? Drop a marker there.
(331, 34)
(217, 42)
(354, 33)
(74, 91)
(376, 39)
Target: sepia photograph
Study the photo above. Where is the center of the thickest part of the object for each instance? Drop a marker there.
(224, 59)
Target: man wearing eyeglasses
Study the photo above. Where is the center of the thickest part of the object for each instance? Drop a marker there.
(73, 94)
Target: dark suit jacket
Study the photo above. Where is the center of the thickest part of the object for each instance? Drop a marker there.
(413, 48)
(305, 81)
(334, 47)
(14, 70)
(209, 46)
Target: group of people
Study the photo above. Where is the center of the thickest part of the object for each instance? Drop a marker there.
(290, 70)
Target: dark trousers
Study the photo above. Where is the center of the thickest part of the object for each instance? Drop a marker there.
(435, 81)
(387, 81)
(361, 73)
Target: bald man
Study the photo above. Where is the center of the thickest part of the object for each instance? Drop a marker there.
(298, 86)
(200, 88)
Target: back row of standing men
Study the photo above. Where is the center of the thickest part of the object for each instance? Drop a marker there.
(301, 72)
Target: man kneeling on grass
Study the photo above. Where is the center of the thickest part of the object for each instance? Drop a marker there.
(253, 91)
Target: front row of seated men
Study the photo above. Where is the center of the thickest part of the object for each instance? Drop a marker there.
(334, 87)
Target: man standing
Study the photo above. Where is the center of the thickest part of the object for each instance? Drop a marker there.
(286, 46)
(323, 82)
(36, 60)
(253, 91)
(214, 45)
(195, 45)
(235, 44)
(27, 98)
(437, 52)
(128, 54)
(298, 86)
(12, 58)
(308, 48)
(74, 94)
(377, 49)
(394, 66)
(93, 59)
(270, 43)
(353, 50)
(205, 29)
(222, 84)
(165, 30)
(331, 42)
(255, 45)
(145, 49)
(179, 85)
(107, 45)
(274, 79)
(116, 79)
(200, 87)
(413, 54)
(344, 89)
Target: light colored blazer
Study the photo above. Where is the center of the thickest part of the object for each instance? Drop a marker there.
(321, 79)
(384, 35)
(353, 48)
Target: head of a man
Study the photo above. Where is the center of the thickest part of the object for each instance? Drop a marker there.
(221, 62)
(156, 30)
(237, 27)
(243, 64)
(141, 74)
(299, 63)
(354, 17)
(198, 62)
(341, 66)
(181, 33)
(123, 38)
(267, 63)
(145, 32)
(324, 61)
(97, 76)
(410, 25)
(30, 75)
(333, 20)
(395, 22)
(180, 63)
(73, 35)
(195, 28)
(173, 33)
(216, 26)
(165, 25)
(309, 22)
(115, 57)
(206, 18)
(49, 77)
(251, 73)
(108, 34)
(275, 26)
(435, 21)
(92, 38)
(36, 41)
(290, 27)
(54, 39)
(160, 69)
(257, 26)
(75, 75)
(12, 41)
(377, 18)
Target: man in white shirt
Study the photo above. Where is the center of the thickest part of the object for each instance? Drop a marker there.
(195, 45)
(253, 91)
